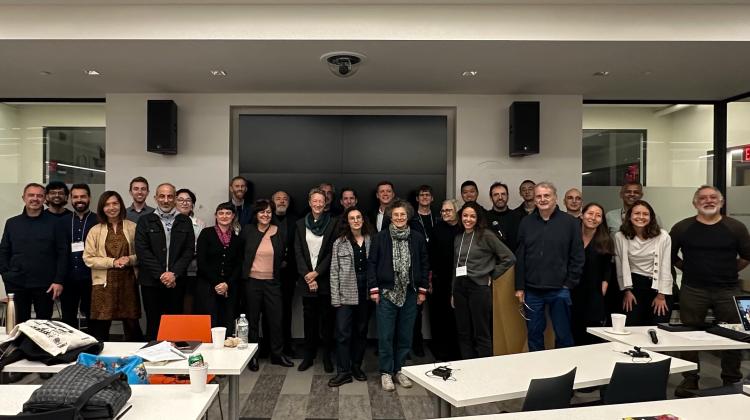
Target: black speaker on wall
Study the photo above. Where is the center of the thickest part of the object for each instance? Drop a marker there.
(162, 127)
(524, 128)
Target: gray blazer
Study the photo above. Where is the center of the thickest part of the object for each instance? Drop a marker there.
(343, 275)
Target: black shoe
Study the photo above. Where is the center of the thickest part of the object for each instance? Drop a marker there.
(340, 379)
(358, 374)
(327, 364)
(45, 375)
(306, 363)
(14, 377)
(281, 361)
(254, 364)
(687, 388)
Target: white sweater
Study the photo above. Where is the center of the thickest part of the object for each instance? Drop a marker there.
(657, 264)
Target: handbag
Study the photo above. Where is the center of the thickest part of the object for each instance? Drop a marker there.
(91, 392)
(130, 366)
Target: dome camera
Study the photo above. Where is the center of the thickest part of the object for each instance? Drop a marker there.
(343, 64)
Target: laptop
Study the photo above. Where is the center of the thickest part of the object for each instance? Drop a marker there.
(743, 310)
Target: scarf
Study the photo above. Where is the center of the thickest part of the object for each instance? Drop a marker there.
(224, 238)
(401, 265)
(167, 219)
(317, 227)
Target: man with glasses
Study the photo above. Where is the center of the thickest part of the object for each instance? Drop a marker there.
(57, 197)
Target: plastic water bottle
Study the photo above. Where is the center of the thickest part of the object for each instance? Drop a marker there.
(242, 327)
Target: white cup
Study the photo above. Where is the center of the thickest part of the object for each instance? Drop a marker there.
(218, 334)
(618, 322)
(198, 378)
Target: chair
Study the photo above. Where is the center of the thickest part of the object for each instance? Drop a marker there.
(637, 382)
(550, 393)
(185, 328)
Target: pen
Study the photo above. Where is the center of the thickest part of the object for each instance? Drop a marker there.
(177, 352)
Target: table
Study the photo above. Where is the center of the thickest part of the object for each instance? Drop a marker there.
(746, 389)
(500, 378)
(226, 361)
(724, 407)
(668, 341)
(149, 401)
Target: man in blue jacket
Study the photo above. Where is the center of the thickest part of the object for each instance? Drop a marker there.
(549, 262)
(33, 257)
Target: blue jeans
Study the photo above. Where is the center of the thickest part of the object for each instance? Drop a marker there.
(395, 330)
(559, 303)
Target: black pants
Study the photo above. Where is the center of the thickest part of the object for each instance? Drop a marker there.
(318, 317)
(417, 341)
(99, 328)
(75, 294)
(264, 296)
(352, 322)
(443, 324)
(158, 301)
(473, 318)
(36, 296)
(288, 284)
(642, 313)
(221, 309)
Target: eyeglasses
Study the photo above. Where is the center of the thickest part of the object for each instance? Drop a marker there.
(522, 308)
(184, 200)
(446, 210)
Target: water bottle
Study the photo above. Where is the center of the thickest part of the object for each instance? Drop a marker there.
(242, 327)
(10, 314)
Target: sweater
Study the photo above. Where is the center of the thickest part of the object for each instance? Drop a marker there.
(660, 262)
(487, 259)
(95, 253)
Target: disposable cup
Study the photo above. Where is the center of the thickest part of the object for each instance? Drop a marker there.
(618, 322)
(198, 377)
(218, 334)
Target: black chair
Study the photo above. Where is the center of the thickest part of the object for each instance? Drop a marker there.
(550, 393)
(637, 382)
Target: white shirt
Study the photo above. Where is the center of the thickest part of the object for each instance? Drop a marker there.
(379, 220)
(314, 243)
(651, 258)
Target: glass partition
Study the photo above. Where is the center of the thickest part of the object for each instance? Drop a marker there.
(738, 168)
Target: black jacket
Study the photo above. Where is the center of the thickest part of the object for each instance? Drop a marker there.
(217, 264)
(380, 273)
(550, 253)
(374, 220)
(33, 252)
(151, 248)
(304, 264)
(506, 225)
(245, 215)
(251, 237)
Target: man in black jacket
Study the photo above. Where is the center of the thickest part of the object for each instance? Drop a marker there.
(287, 224)
(33, 257)
(165, 245)
(501, 218)
(549, 262)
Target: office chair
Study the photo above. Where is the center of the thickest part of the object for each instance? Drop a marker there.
(637, 382)
(550, 393)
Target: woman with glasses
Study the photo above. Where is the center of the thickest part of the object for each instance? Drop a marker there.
(588, 295)
(442, 316)
(261, 272)
(349, 295)
(480, 257)
(185, 200)
(397, 275)
(643, 260)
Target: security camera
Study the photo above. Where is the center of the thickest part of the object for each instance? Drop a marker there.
(343, 64)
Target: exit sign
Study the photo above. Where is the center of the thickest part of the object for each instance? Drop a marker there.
(746, 154)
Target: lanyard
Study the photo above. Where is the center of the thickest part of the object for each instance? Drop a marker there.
(468, 251)
(72, 223)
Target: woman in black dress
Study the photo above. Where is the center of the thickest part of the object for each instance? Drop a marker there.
(588, 296)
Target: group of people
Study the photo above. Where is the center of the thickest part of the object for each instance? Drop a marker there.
(348, 264)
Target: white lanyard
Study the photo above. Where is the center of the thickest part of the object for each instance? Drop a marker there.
(468, 251)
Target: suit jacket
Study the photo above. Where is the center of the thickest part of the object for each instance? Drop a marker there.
(217, 264)
(151, 248)
(251, 236)
(374, 220)
(304, 264)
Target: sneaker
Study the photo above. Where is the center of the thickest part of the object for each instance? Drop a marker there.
(403, 380)
(686, 388)
(387, 382)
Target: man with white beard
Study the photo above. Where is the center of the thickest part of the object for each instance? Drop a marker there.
(714, 249)
(286, 223)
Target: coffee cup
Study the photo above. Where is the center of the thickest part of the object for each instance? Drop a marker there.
(618, 323)
(218, 334)
(198, 378)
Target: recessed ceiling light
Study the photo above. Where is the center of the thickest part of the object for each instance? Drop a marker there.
(91, 72)
(470, 73)
(601, 74)
(648, 73)
(218, 73)
(45, 73)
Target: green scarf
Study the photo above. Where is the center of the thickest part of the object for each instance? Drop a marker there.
(317, 227)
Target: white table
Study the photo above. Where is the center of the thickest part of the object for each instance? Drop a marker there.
(158, 402)
(226, 361)
(500, 378)
(668, 341)
(724, 407)
(746, 389)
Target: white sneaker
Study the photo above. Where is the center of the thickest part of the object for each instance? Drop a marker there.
(387, 382)
(403, 380)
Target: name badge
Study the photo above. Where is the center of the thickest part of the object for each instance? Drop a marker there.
(461, 271)
(76, 247)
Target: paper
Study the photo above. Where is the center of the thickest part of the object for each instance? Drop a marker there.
(161, 352)
(696, 335)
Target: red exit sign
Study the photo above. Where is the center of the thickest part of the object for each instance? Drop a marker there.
(746, 154)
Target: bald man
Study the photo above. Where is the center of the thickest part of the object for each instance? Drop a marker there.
(573, 202)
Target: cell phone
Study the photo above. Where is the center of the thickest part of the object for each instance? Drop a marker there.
(181, 345)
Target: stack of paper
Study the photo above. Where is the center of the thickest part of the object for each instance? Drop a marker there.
(162, 352)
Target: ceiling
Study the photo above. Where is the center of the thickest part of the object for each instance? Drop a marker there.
(638, 70)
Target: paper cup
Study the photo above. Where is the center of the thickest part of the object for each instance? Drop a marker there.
(618, 322)
(218, 334)
(198, 377)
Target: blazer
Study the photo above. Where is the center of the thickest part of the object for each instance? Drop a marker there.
(217, 264)
(151, 248)
(380, 273)
(304, 264)
(251, 237)
(95, 253)
(344, 290)
(661, 278)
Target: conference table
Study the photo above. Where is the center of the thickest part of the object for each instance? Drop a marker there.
(230, 362)
(500, 378)
(157, 402)
(724, 407)
(668, 340)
